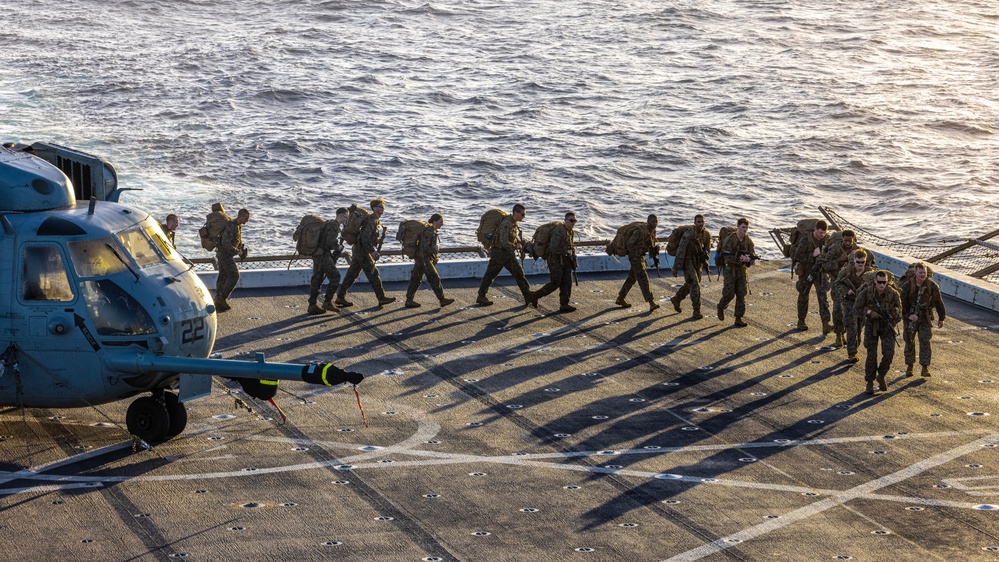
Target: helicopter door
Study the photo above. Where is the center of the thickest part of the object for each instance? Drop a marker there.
(60, 366)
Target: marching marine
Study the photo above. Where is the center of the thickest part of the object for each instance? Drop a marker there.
(805, 254)
(561, 260)
(324, 264)
(424, 264)
(920, 297)
(503, 253)
(364, 255)
(848, 283)
(738, 251)
(691, 256)
(641, 241)
(230, 245)
(881, 306)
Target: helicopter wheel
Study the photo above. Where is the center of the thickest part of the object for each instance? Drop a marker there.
(177, 413)
(148, 419)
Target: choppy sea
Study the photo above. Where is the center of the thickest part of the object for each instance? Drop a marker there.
(887, 111)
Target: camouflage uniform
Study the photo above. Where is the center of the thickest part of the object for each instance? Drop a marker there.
(921, 301)
(363, 259)
(848, 280)
(805, 269)
(691, 255)
(638, 244)
(832, 261)
(503, 253)
(561, 262)
(736, 274)
(424, 264)
(888, 306)
(324, 263)
(230, 245)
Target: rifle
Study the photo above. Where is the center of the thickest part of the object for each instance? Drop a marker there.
(382, 239)
(654, 254)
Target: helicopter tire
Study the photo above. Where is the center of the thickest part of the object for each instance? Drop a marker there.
(177, 413)
(148, 419)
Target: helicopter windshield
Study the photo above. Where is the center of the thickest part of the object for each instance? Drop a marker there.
(94, 258)
(136, 243)
(159, 239)
(114, 311)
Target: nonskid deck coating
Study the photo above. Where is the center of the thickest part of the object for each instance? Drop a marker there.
(509, 433)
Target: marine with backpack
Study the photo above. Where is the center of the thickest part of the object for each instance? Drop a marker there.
(228, 244)
(361, 231)
(320, 239)
(500, 233)
(554, 242)
(690, 245)
(420, 239)
(635, 240)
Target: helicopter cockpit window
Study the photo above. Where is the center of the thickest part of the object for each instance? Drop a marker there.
(114, 311)
(159, 238)
(93, 258)
(139, 246)
(44, 275)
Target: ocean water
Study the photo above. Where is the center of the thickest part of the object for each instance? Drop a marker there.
(887, 111)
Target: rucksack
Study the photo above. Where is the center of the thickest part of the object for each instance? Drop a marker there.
(488, 225)
(802, 229)
(673, 242)
(215, 223)
(539, 242)
(309, 234)
(723, 235)
(618, 246)
(409, 236)
(355, 219)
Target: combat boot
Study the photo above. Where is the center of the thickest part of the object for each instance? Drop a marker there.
(827, 328)
(721, 312)
(870, 387)
(908, 370)
(622, 303)
(926, 371)
(740, 323)
(854, 358)
(222, 306)
(531, 298)
(382, 301)
(696, 315)
(446, 301)
(802, 326)
(341, 301)
(328, 305)
(410, 303)
(316, 309)
(482, 300)
(676, 303)
(882, 385)
(653, 306)
(840, 340)
(567, 308)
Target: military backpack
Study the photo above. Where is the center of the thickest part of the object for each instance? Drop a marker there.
(215, 223)
(539, 246)
(802, 229)
(723, 234)
(619, 245)
(410, 232)
(355, 219)
(309, 234)
(488, 227)
(673, 242)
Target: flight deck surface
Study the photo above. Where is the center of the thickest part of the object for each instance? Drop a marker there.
(513, 433)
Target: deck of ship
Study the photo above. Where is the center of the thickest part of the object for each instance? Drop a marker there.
(509, 433)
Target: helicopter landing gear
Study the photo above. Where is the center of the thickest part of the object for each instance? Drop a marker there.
(177, 413)
(155, 418)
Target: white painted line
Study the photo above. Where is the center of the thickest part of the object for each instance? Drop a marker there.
(837, 499)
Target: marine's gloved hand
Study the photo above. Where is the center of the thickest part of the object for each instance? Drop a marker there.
(353, 378)
(243, 253)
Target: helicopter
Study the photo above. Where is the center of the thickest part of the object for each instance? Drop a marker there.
(97, 306)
